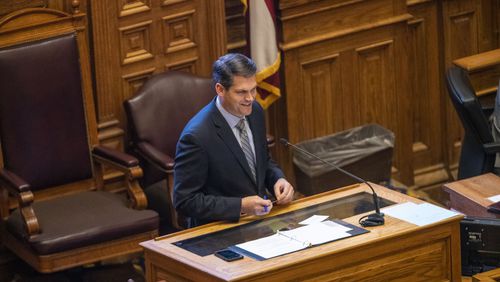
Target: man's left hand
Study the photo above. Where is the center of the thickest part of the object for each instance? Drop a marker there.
(283, 191)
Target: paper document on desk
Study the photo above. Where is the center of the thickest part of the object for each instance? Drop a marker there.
(313, 219)
(284, 242)
(419, 214)
(494, 199)
(318, 233)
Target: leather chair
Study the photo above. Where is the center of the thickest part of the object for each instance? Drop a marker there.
(51, 158)
(478, 147)
(156, 117)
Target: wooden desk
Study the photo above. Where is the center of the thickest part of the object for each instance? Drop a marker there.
(469, 195)
(488, 276)
(397, 250)
(484, 71)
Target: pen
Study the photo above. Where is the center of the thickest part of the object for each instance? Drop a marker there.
(265, 207)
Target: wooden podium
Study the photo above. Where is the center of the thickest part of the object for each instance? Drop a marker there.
(488, 276)
(396, 251)
(469, 196)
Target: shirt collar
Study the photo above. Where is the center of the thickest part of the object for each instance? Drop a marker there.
(231, 119)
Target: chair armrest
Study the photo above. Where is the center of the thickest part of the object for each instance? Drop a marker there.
(13, 183)
(126, 164)
(18, 187)
(492, 148)
(156, 157)
(117, 160)
(115, 156)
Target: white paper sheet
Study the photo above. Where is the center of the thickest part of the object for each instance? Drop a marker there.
(297, 239)
(313, 219)
(419, 214)
(494, 199)
(272, 246)
(318, 233)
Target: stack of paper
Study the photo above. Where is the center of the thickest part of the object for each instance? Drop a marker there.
(284, 242)
(495, 198)
(419, 214)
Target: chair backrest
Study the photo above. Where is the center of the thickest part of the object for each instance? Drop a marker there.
(46, 107)
(467, 105)
(497, 106)
(473, 160)
(162, 107)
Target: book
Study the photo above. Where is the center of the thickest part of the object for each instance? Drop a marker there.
(284, 242)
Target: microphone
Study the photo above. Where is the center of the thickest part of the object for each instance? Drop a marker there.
(374, 219)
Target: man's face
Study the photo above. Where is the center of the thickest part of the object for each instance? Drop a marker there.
(239, 97)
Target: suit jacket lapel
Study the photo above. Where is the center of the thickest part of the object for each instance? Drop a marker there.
(227, 135)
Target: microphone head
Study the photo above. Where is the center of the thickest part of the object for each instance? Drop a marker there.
(284, 141)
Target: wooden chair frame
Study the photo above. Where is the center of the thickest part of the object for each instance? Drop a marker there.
(33, 24)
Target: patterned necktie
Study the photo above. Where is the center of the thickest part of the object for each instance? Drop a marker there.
(247, 148)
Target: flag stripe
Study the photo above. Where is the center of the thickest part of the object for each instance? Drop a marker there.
(263, 46)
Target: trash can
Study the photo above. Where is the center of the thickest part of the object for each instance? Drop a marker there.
(364, 151)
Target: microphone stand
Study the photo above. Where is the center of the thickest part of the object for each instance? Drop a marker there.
(374, 219)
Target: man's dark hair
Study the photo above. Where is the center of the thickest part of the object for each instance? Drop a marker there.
(230, 65)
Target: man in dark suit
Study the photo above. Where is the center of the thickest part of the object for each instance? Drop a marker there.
(222, 165)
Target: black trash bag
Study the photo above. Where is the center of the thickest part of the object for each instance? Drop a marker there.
(365, 151)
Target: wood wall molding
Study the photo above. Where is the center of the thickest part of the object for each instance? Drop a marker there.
(127, 8)
(235, 26)
(426, 85)
(340, 33)
(135, 42)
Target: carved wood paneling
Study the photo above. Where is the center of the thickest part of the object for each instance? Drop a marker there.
(135, 42)
(235, 22)
(351, 71)
(333, 16)
(178, 33)
(188, 65)
(8, 6)
(321, 94)
(427, 97)
(130, 7)
(134, 39)
(487, 12)
(496, 21)
(376, 82)
(133, 81)
(216, 36)
(460, 25)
